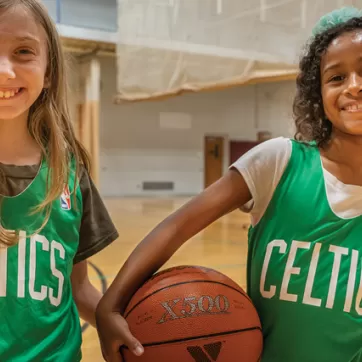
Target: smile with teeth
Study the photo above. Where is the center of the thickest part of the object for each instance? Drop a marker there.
(353, 107)
(9, 93)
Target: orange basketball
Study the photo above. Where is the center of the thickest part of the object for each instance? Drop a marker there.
(193, 314)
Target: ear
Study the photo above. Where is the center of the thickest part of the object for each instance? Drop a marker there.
(46, 82)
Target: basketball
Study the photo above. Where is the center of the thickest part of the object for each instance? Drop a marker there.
(193, 314)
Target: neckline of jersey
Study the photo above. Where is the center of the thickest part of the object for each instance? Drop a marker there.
(337, 183)
(42, 165)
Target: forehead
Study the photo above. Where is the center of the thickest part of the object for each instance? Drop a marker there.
(347, 49)
(19, 23)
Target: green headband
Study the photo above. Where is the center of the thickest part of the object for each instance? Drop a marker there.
(336, 17)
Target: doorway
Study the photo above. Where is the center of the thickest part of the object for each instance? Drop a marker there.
(213, 159)
(239, 148)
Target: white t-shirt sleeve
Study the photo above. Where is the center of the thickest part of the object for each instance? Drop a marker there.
(262, 168)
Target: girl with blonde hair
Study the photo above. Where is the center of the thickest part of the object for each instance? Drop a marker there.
(52, 217)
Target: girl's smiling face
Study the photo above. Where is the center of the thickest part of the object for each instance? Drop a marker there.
(23, 62)
(341, 83)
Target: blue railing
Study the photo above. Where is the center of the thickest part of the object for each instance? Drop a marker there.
(92, 14)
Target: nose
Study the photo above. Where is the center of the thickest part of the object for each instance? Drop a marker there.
(354, 85)
(6, 70)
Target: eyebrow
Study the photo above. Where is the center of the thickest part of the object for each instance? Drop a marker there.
(26, 38)
(337, 65)
(331, 67)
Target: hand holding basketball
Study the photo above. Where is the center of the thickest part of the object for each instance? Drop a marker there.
(113, 332)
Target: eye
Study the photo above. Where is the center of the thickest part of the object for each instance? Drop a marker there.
(336, 78)
(24, 51)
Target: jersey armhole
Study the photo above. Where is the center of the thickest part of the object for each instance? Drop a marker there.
(279, 170)
(262, 169)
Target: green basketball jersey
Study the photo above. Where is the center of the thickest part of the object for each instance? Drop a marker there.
(38, 317)
(304, 270)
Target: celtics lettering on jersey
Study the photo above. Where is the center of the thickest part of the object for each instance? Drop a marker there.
(36, 265)
(304, 269)
(39, 318)
(338, 261)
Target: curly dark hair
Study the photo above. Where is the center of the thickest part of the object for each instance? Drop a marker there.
(310, 119)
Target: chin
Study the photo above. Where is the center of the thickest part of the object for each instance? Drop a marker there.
(351, 125)
(353, 131)
(354, 126)
(356, 133)
(13, 115)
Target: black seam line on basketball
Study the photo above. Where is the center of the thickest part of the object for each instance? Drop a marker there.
(220, 334)
(104, 287)
(182, 283)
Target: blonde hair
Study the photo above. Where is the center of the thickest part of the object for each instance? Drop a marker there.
(49, 120)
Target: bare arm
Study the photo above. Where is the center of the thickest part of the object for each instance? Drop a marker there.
(224, 196)
(227, 194)
(86, 296)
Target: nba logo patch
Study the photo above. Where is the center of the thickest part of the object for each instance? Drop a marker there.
(65, 199)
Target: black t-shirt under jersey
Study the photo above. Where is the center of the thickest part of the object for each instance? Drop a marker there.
(97, 229)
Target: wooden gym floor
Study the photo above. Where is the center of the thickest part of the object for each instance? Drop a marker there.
(222, 246)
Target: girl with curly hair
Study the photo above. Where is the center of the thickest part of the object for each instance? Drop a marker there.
(305, 200)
